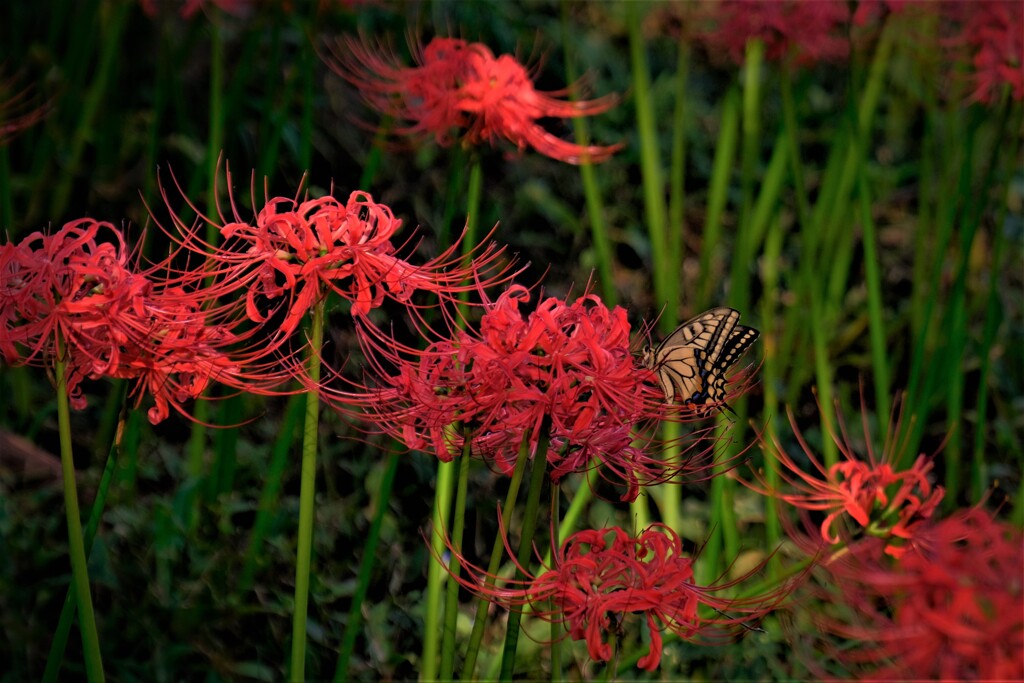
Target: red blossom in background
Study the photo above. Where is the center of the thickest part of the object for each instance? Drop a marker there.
(871, 493)
(460, 90)
(112, 320)
(19, 108)
(809, 31)
(993, 34)
(950, 608)
(599, 574)
(567, 365)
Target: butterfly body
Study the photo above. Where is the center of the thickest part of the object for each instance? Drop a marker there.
(692, 361)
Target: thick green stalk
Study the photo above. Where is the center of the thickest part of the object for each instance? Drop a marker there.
(537, 475)
(67, 613)
(436, 573)
(650, 171)
(718, 190)
(451, 609)
(497, 551)
(751, 127)
(591, 192)
(677, 174)
(771, 373)
(76, 543)
(355, 612)
(307, 496)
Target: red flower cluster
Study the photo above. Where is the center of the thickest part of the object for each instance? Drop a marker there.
(809, 32)
(298, 251)
(594, 580)
(71, 293)
(884, 502)
(568, 365)
(993, 32)
(951, 608)
(461, 90)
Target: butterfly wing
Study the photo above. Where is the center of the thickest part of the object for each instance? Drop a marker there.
(692, 361)
(678, 360)
(715, 367)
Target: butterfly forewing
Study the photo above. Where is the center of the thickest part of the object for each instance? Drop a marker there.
(692, 361)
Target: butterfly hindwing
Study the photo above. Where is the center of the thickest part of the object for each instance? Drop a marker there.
(692, 361)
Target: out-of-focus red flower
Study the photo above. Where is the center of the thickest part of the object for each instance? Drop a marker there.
(950, 608)
(460, 90)
(19, 107)
(567, 365)
(602, 575)
(993, 33)
(299, 250)
(870, 493)
(808, 32)
(114, 321)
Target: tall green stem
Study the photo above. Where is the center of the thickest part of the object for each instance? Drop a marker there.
(540, 462)
(307, 495)
(480, 619)
(650, 170)
(591, 192)
(76, 543)
(451, 609)
(60, 638)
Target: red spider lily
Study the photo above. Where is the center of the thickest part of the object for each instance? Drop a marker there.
(300, 250)
(950, 608)
(883, 501)
(565, 364)
(993, 33)
(113, 321)
(595, 583)
(462, 88)
(809, 32)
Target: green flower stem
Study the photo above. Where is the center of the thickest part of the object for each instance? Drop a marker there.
(770, 373)
(540, 461)
(651, 172)
(307, 495)
(67, 613)
(591, 192)
(76, 543)
(718, 190)
(876, 320)
(355, 613)
(451, 609)
(751, 127)
(670, 497)
(677, 173)
(497, 551)
(436, 573)
(557, 638)
(792, 132)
